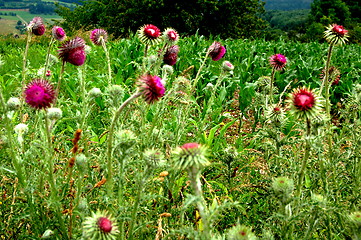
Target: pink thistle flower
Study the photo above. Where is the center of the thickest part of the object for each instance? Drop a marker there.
(305, 103)
(48, 73)
(37, 26)
(216, 51)
(151, 87)
(58, 33)
(98, 36)
(39, 94)
(336, 34)
(278, 61)
(149, 34)
(100, 226)
(171, 55)
(73, 51)
(171, 35)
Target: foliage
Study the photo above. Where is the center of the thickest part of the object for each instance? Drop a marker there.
(187, 17)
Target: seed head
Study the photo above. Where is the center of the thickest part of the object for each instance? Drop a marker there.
(171, 55)
(216, 51)
(98, 36)
(73, 51)
(36, 26)
(149, 34)
(39, 94)
(58, 33)
(151, 87)
(336, 34)
(278, 61)
(100, 226)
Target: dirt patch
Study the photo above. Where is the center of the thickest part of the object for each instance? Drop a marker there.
(8, 27)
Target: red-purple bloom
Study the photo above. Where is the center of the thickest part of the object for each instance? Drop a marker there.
(73, 51)
(336, 34)
(303, 99)
(98, 36)
(37, 26)
(171, 35)
(278, 61)
(149, 34)
(151, 87)
(216, 51)
(104, 224)
(58, 33)
(39, 94)
(171, 55)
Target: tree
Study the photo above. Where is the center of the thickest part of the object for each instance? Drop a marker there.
(335, 10)
(228, 18)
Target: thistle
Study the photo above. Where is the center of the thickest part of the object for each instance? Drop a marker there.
(100, 226)
(191, 155)
(336, 34)
(305, 103)
(36, 26)
(278, 61)
(151, 87)
(58, 33)
(171, 36)
(171, 55)
(98, 36)
(73, 51)
(240, 232)
(39, 94)
(149, 34)
(216, 51)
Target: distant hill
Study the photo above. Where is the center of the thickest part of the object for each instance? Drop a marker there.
(287, 4)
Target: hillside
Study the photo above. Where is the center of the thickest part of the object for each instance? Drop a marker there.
(287, 4)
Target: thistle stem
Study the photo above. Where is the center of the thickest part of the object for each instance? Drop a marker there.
(110, 140)
(271, 86)
(47, 57)
(108, 61)
(305, 158)
(199, 71)
(28, 40)
(57, 90)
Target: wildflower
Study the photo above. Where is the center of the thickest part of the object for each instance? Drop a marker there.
(54, 113)
(171, 55)
(168, 69)
(170, 35)
(191, 155)
(278, 61)
(305, 103)
(153, 158)
(36, 26)
(13, 104)
(240, 232)
(100, 226)
(336, 34)
(20, 130)
(227, 66)
(98, 36)
(149, 34)
(275, 113)
(39, 94)
(73, 51)
(216, 51)
(151, 87)
(125, 139)
(58, 33)
(48, 73)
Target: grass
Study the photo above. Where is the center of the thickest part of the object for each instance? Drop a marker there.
(157, 189)
(8, 26)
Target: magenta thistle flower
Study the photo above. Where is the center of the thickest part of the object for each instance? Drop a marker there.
(36, 26)
(216, 51)
(58, 33)
(73, 51)
(39, 94)
(151, 88)
(100, 226)
(171, 35)
(98, 36)
(305, 103)
(278, 61)
(171, 55)
(149, 34)
(336, 34)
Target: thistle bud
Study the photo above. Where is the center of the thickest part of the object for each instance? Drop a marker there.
(95, 92)
(54, 113)
(190, 155)
(13, 104)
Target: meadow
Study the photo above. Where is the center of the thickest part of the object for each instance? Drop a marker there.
(223, 154)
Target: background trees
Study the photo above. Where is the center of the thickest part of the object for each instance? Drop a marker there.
(228, 18)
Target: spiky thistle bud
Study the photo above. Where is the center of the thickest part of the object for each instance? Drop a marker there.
(336, 34)
(13, 104)
(171, 36)
(95, 92)
(149, 34)
(100, 226)
(54, 113)
(240, 232)
(58, 33)
(190, 155)
(283, 185)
